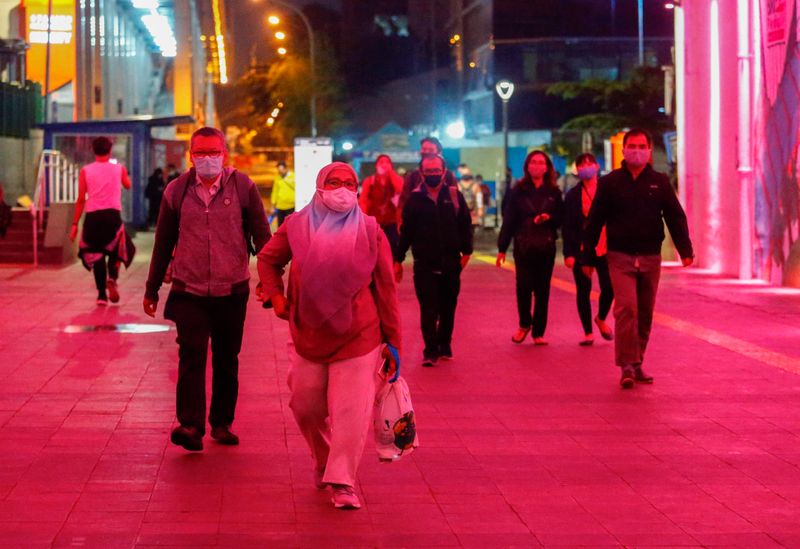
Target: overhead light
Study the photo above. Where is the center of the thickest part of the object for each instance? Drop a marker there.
(160, 30)
(505, 89)
(281, 51)
(280, 104)
(456, 129)
(347, 146)
(145, 4)
(280, 35)
(275, 112)
(274, 20)
(472, 64)
(270, 122)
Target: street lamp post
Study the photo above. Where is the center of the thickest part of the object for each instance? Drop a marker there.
(640, 7)
(505, 89)
(312, 60)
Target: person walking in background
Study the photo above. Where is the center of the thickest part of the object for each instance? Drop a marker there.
(380, 195)
(282, 196)
(577, 204)
(213, 218)
(428, 146)
(104, 243)
(437, 227)
(172, 172)
(633, 203)
(533, 215)
(153, 192)
(342, 309)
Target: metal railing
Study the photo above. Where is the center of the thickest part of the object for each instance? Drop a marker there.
(56, 182)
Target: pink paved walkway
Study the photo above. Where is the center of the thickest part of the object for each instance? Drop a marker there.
(521, 446)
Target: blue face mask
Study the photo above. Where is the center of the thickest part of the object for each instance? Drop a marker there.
(207, 167)
(587, 173)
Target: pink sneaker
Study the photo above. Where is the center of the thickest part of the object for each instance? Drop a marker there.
(344, 497)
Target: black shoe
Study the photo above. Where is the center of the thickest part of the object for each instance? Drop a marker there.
(223, 435)
(445, 352)
(187, 437)
(627, 379)
(641, 377)
(429, 360)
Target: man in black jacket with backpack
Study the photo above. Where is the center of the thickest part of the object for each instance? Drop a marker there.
(211, 220)
(633, 203)
(438, 229)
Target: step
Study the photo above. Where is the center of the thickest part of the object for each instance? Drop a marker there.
(47, 256)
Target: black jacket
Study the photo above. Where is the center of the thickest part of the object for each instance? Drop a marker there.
(634, 213)
(574, 226)
(436, 235)
(525, 202)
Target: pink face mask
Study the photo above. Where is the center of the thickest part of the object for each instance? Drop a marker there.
(338, 200)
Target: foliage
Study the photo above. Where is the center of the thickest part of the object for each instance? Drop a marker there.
(618, 104)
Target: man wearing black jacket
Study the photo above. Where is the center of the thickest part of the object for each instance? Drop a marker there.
(437, 228)
(633, 202)
(428, 146)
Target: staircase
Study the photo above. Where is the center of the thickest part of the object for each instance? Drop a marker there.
(17, 246)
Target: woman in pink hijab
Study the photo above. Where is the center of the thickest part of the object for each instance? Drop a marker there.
(341, 305)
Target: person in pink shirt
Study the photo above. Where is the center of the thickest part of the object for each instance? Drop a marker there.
(104, 243)
(341, 304)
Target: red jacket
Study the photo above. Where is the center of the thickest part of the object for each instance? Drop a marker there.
(380, 196)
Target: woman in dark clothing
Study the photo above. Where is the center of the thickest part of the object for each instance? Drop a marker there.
(577, 204)
(532, 217)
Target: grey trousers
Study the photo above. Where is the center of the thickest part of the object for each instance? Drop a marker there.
(635, 282)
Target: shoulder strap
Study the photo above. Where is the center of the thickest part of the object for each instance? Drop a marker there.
(180, 193)
(243, 191)
(454, 198)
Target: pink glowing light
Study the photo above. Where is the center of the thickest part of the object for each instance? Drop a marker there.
(680, 99)
(745, 47)
(715, 92)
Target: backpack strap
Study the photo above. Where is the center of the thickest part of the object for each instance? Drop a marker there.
(243, 190)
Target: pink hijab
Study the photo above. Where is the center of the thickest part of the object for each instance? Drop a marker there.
(336, 253)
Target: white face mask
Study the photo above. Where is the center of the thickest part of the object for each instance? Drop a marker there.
(338, 200)
(207, 167)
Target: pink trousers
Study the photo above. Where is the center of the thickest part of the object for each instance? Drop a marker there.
(332, 404)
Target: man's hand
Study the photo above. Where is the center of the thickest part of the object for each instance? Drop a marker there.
(687, 261)
(464, 261)
(569, 262)
(501, 259)
(281, 306)
(73, 232)
(541, 218)
(588, 271)
(398, 272)
(150, 307)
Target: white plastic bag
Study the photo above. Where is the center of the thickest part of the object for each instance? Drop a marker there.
(394, 422)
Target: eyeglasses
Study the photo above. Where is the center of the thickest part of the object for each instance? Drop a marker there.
(336, 183)
(205, 154)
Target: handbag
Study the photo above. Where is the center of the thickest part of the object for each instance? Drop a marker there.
(394, 422)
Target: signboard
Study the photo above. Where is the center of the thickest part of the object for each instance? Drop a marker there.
(60, 29)
(311, 154)
(776, 20)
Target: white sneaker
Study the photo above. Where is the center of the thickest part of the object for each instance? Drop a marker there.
(344, 497)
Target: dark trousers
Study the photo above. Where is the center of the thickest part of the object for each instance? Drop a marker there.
(583, 284)
(101, 273)
(534, 270)
(635, 281)
(392, 235)
(197, 319)
(282, 215)
(437, 293)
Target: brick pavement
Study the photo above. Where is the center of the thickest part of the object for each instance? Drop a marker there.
(521, 446)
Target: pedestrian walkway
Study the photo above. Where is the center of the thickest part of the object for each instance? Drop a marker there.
(521, 446)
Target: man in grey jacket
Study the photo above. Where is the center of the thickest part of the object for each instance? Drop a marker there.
(211, 219)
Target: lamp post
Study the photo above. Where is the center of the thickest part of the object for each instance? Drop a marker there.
(505, 89)
(640, 9)
(312, 60)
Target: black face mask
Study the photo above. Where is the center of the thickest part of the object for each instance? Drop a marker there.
(433, 180)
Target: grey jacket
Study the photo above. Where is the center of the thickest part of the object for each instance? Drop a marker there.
(211, 255)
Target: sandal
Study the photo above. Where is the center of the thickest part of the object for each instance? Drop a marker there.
(520, 336)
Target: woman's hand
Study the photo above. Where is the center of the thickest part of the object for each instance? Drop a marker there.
(464, 261)
(398, 272)
(541, 218)
(501, 259)
(281, 306)
(73, 232)
(569, 262)
(391, 356)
